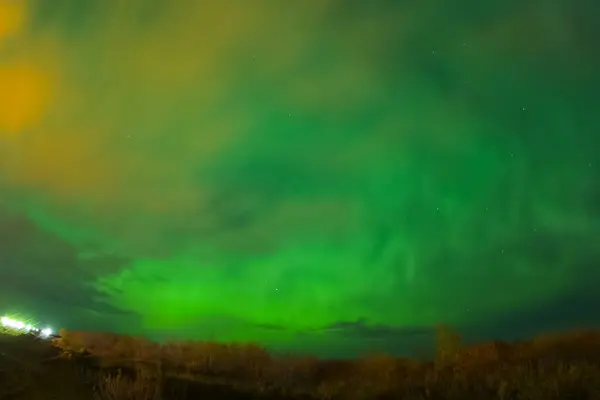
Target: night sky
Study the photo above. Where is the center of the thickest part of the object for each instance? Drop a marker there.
(324, 176)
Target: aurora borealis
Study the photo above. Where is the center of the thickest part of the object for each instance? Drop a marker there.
(325, 175)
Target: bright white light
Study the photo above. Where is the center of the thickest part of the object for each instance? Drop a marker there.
(22, 326)
(11, 323)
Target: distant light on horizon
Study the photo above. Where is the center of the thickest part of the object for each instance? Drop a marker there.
(17, 325)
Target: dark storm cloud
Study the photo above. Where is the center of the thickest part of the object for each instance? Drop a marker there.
(40, 272)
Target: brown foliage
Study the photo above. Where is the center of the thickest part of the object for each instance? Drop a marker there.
(118, 387)
(548, 367)
(483, 353)
(448, 343)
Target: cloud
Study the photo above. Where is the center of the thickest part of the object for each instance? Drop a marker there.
(567, 311)
(108, 122)
(144, 100)
(362, 329)
(271, 327)
(25, 96)
(12, 18)
(314, 163)
(42, 273)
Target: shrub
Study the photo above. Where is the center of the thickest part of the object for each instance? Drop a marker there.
(119, 387)
(549, 368)
(448, 343)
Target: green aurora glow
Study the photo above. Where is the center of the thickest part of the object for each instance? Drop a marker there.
(299, 175)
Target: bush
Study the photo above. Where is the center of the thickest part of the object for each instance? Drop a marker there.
(548, 368)
(448, 344)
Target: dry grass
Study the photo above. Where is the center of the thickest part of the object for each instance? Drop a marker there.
(549, 367)
(119, 387)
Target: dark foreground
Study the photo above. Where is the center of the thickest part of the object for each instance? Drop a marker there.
(83, 366)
